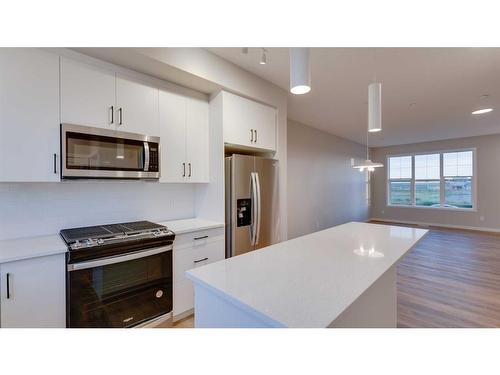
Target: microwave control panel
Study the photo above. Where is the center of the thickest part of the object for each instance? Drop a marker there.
(153, 157)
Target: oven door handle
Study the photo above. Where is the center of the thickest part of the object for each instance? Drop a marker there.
(118, 259)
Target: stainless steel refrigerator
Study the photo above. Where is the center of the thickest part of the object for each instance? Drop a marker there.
(251, 203)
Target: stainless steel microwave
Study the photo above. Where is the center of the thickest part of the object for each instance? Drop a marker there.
(88, 152)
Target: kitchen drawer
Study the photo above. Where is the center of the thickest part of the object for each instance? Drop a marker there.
(198, 238)
(191, 254)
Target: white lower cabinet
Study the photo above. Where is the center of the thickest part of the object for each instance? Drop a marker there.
(33, 293)
(193, 250)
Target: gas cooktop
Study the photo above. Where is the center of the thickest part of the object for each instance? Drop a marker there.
(112, 234)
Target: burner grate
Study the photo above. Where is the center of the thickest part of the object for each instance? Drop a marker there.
(141, 225)
(106, 231)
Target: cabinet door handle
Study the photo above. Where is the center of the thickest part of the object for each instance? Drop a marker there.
(189, 164)
(183, 169)
(120, 116)
(112, 108)
(55, 163)
(251, 135)
(200, 238)
(200, 260)
(8, 285)
(255, 136)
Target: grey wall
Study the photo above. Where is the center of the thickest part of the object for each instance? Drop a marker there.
(323, 189)
(488, 185)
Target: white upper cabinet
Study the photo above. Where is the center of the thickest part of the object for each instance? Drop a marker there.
(40, 90)
(173, 137)
(265, 126)
(87, 95)
(197, 140)
(93, 96)
(136, 107)
(29, 115)
(185, 137)
(247, 123)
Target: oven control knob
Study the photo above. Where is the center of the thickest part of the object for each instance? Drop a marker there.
(159, 294)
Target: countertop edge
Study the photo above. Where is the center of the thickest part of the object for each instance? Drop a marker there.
(34, 255)
(199, 224)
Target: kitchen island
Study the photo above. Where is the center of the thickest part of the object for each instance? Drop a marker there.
(344, 276)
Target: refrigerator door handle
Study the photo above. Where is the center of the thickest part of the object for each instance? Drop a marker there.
(252, 198)
(259, 203)
(253, 195)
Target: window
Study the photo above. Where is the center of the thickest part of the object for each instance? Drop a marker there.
(438, 180)
(427, 180)
(457, 172)
(400, 175)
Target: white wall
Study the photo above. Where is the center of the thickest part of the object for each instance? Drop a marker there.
(32, 209)
(488, 185)
(323, 189)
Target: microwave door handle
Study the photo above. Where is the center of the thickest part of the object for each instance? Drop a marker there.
(146, 156)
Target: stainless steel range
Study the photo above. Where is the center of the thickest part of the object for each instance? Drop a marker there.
(119, 275)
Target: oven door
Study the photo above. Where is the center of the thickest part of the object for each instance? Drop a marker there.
(119, 292)
(88, 152)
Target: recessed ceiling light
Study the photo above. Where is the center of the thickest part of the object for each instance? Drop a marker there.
(481, 111)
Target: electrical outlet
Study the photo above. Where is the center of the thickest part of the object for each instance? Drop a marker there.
(481, 218)
(383, 212)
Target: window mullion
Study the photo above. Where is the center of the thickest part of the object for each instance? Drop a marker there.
(441, 180)
(413, 201)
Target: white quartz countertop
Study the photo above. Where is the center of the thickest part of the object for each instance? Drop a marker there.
(309, 281)
(191, 225)
(33, 247)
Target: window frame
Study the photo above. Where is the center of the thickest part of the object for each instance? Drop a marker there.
(441, 181)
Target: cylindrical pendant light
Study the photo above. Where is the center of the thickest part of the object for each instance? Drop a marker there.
(375, 107)
(300, 74)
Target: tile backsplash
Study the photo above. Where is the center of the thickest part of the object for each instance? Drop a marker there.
(33, 209)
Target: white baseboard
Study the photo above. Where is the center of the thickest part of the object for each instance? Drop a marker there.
(183, 315)
(420, 223)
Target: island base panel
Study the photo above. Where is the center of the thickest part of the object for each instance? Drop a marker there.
(212, 311)
(375, 308)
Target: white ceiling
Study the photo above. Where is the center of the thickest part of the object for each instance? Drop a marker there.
(445, 85)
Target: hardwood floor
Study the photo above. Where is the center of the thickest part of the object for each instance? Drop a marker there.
(187, 322)
(450, 279)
